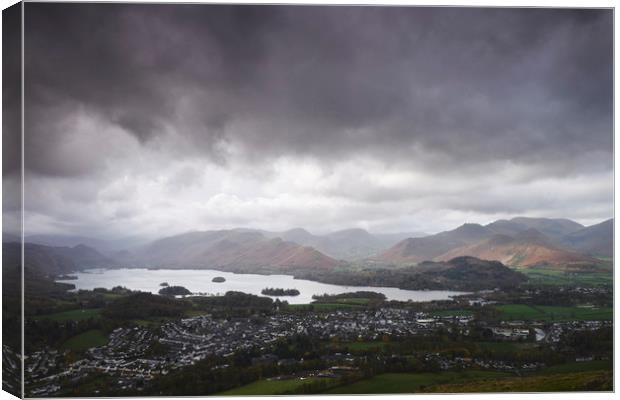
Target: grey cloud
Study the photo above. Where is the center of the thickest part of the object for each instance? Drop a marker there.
(533, 85)
(455, 94)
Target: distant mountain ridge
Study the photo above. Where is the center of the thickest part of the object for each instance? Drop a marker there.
(554, 228)
(348, 244)
(597, 240)
(521, 250)
(234, 250)
(52, 260)
(520, 241)
(102, 245)
(415, 250)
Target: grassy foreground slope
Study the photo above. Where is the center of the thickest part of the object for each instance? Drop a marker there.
(410, 382)
(268, 387)
(580, 381)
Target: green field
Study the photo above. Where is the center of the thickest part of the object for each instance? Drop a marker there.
(72, 315)
(581, 381)
(268, 387)
(596, 365)
(86, 340)
(354, 300)
(112, 296)
(552, 313)
(411, 382)
(556, 277)
(323, 306)
(595, 375)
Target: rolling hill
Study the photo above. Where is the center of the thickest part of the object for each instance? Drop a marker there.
(469, 272)
(461, 273)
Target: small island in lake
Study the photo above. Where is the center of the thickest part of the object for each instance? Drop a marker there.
(218, 279)
(174, 291)
(280, 292)
(164, 284)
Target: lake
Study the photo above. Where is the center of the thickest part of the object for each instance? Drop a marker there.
(199, 281)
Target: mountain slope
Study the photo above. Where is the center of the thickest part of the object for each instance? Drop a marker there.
(554, 228)
(54, 260)
(526, 249)
(234, 250)
(520, 241)
(415, 250)
(595, 240)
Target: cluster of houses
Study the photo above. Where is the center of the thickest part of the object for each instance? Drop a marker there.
(557, 329)
(39, 364)
(190, 340)
(121, 357)
(124, 343)
(510, 333)
(11, 369)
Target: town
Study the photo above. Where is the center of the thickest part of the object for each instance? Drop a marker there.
(129, 357)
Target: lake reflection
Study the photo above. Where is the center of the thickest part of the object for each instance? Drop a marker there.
(147, 280)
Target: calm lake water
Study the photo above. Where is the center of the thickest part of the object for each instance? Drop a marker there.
(197, 281)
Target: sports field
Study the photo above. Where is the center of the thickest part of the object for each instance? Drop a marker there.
(86, 340)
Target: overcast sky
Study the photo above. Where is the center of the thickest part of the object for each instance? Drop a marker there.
(158, 119)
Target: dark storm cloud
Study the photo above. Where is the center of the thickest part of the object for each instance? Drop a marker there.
(466, 85)
(11, 120)
(11, 90)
